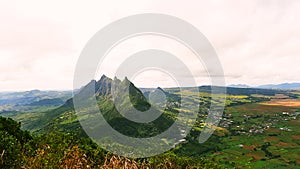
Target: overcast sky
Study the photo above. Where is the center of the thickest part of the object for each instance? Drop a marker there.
(258, 42)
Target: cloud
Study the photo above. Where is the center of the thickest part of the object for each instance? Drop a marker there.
(256, 41)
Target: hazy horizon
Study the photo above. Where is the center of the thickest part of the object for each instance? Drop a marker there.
(141, 87)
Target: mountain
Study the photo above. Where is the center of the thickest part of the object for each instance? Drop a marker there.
(243, 91)
(239, 86)
(66, 119)
(281, 86)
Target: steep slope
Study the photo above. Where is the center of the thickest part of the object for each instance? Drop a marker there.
(67, 119)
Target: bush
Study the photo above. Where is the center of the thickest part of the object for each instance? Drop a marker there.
(12, 143)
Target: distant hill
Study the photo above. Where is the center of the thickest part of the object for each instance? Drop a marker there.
(237, 90)
(28, 97)
(32, 100)
(281, 86)
(48, 102)
(239, 86)
(242, 91)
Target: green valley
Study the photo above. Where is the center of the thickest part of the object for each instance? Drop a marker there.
(259, 129)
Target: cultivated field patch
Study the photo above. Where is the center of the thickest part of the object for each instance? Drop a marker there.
(283, 102)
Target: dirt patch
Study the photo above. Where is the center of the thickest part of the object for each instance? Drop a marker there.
(296, 137)
(256, 156)
(271, 139)
(272, 130)
(283, 144)
(250, 148)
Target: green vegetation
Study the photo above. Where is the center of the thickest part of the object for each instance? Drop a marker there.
(259, 129)
(58, 150)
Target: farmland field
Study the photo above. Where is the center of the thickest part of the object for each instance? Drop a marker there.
(283, 102)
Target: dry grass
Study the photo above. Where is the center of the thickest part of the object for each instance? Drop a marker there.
(283, 102)
(74, 158)
(120, 162)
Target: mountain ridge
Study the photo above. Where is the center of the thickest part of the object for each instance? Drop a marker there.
(281, 86)
(287, 86)
(67, 119)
